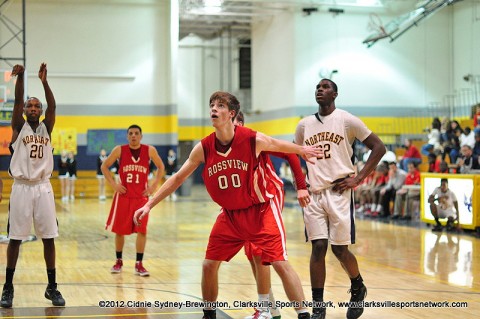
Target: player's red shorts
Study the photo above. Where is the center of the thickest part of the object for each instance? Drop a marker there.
(251, 250)
(120, 220)
(262, 225)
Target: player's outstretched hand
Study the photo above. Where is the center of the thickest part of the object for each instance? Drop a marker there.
(140, 213)
(18, 70)
(310, 153)
(42, 73)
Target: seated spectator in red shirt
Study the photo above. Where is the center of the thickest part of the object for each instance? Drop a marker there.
(412, 155)
(380, 179)
(476, 119)
(362, 193)
(403, 201)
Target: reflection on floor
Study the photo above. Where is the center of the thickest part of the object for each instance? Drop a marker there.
(401, 261)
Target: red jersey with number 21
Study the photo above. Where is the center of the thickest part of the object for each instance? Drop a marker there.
(237, 179)
(134, 172)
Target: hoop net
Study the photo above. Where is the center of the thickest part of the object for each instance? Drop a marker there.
(375, 24)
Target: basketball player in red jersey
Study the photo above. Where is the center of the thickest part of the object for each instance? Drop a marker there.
(238, 178)
(131, 193)
(253, 253)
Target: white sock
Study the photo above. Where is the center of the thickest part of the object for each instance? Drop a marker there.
(263, 302)
(273, 309)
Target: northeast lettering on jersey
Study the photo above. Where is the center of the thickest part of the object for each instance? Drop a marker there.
(324, 137)
(134, 168)
(223, 165)
(35, 139)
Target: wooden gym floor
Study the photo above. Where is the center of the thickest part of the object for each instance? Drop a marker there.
(399, 263)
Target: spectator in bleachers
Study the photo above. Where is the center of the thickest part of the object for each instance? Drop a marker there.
(433, 137)
(101, 179)
(171, 167)
(435, 162)
(379, 181)
(404, 198)
(476, 147)
(396, 179)
(388, 157)
(362, 192)
(72, 175)
(63, 175)
(467, 137)
(443, 168)
(432, 159)
(468, 162)
(476, 119)
(412, 155)
(451, 141)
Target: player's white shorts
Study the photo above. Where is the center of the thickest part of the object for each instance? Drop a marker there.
(32, 202)
(445, 213)
(331, 216)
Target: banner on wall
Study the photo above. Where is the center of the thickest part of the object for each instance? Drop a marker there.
(5, 117)
(5, 138)
(64, 139)
(104, 139)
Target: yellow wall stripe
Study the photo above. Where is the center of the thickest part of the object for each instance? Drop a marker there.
(149, 124)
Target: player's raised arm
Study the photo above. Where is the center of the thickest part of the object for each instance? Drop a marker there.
(17, 115)
(51, 104)
(270, 144)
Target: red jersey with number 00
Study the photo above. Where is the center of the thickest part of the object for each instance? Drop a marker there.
(134, 172)
(238, 179)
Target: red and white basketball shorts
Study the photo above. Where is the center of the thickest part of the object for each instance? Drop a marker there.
(261, 225)
(120, 220)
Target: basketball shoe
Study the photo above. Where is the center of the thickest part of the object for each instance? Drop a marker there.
(303, 315)
(51, 293)
(319, 313)
(209, 314)
(274, 314)
(7, 296)
(358, 295)
(140, 270)
(117, 268)
(262, 314)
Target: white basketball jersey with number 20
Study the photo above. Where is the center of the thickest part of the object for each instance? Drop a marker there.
(32, 157)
